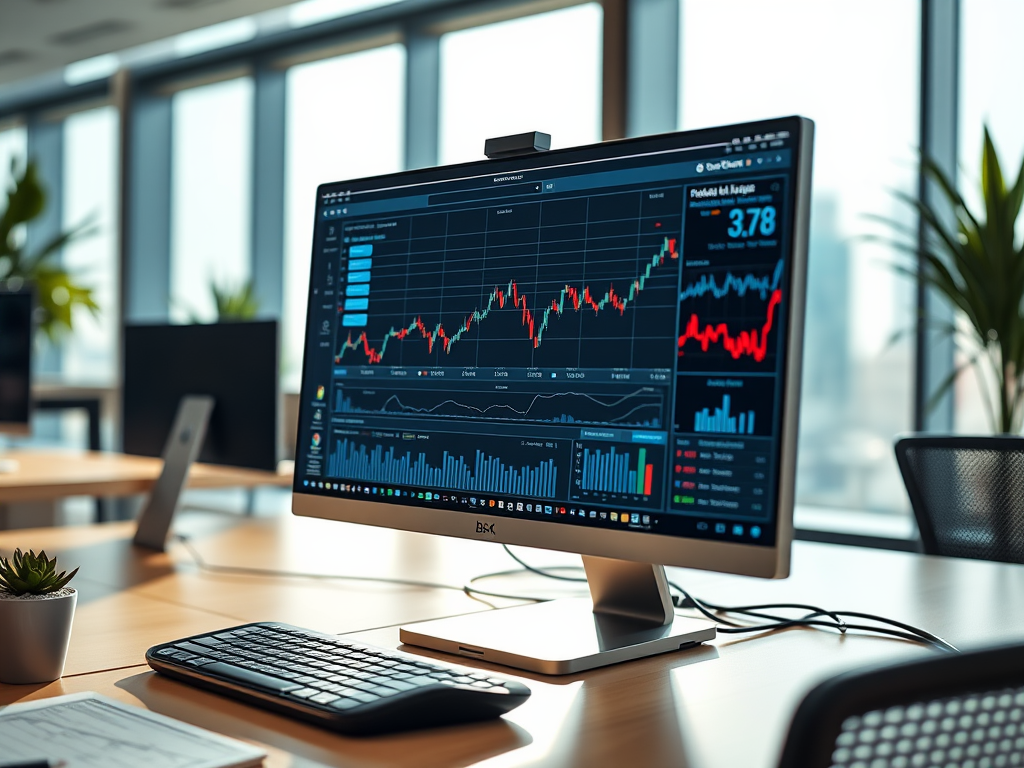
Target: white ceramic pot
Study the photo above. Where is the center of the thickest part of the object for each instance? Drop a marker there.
(34, 636)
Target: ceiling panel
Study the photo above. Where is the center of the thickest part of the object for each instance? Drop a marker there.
(38, 36)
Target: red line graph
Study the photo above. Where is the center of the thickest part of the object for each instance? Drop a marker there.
(753, 343)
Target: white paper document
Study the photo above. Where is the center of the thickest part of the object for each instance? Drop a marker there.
(87, 730)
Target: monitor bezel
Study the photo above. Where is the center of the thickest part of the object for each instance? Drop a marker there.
(742, 559)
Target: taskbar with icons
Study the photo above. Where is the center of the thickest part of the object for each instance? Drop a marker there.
(670, 524)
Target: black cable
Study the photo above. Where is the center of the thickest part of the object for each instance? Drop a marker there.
(811, 619)
(468, 589)
(546, 572)
(711, 611)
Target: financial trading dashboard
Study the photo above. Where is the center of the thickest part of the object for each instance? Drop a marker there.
(594, 337)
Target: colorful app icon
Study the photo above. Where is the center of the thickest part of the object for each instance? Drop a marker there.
(316, 439)
(320, 392)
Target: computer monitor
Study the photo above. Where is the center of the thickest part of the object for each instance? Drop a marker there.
(235, 363)
(594, 350)
(15, 361)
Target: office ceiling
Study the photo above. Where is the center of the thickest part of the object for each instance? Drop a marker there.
(39, 36)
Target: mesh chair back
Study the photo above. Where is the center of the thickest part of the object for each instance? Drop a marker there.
(967, 494)
(950, 711)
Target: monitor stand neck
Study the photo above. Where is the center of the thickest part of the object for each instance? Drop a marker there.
(633, 591)
(629, 616)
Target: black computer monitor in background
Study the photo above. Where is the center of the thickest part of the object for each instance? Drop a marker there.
(15, 361)
(594, 350)
(235, 363)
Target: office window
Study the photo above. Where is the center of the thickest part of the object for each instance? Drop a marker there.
(344, 120)
(538, 73)
(90, 193)
(211, 194)
(990, 58)
(854, 70)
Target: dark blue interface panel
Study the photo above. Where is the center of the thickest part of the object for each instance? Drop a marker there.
(592, 337)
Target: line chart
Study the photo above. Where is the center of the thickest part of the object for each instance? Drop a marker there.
(707, 284)
(642, 407)
(746, 343)
(533, 321)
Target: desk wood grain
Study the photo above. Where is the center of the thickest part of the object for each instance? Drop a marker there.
(725, 705)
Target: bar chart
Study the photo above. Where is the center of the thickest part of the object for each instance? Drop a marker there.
(617, 470)
(483, 473)
(722, 420)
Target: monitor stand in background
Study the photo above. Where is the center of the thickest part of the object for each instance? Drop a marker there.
(628, 616)
(180, 452)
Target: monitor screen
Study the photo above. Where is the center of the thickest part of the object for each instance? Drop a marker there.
(601, 340)
(235, 363)
(15, 360)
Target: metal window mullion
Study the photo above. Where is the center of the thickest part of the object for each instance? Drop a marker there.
(422, 98)
(268, 189)
(652, 66)
(46, 150)
(147, 204)
(940, 55)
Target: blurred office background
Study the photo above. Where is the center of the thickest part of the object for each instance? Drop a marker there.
(196, 132)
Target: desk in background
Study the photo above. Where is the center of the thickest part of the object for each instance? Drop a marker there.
(43, 477)
(723, 705)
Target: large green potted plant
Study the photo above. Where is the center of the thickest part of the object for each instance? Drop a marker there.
(973, 260)
(58, 292)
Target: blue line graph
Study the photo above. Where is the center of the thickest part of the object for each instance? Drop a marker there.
(763, 286)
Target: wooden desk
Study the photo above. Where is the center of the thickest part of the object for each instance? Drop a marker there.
(724, 705)
(55, 474)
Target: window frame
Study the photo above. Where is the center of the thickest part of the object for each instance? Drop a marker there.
(640, 66)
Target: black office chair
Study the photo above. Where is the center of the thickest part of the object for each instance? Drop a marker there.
(967, 494)
(949, 711)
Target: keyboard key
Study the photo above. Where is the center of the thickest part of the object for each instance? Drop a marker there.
(210, 641)
(343, 703)
(422, 680)
(248, 677)
(324, 698)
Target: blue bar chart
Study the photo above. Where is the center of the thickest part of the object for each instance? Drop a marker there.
(482, 474)
(722, 420)
(611, 471)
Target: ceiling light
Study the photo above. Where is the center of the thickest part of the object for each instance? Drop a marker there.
(215, 36)
(87, 70)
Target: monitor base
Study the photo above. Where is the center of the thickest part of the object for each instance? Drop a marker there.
(558, 637)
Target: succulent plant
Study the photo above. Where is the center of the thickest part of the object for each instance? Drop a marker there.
(32, 574)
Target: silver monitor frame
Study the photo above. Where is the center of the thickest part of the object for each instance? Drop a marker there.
(597, 545)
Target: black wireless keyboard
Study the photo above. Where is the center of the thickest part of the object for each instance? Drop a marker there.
(348, 687)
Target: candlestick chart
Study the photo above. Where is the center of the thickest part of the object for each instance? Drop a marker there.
(548, 284)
